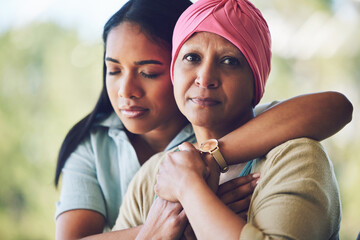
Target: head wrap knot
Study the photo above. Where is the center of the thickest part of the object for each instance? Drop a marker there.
(238, 21)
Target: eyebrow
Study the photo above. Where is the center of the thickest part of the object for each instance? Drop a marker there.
(111, 60)
(144, 62)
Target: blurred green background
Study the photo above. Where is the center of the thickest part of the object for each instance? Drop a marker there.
(50, 77)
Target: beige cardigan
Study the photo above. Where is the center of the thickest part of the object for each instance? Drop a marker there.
(297, 197)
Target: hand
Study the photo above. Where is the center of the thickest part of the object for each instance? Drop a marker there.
(178, 170)
(166, 220)
(188, 233)
(236, 193)
(213, 171)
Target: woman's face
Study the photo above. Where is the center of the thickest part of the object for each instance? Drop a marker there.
(213, 83)
(138, 79)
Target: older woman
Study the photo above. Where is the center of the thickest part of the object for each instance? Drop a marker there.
(221, 60)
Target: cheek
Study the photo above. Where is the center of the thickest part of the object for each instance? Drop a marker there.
(240, 94)
(179, 93)
(111, 90)
(162, 93)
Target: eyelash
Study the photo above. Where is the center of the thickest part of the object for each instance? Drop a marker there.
(196, 58)
(150, 76)
(114, 73)
(192, 55)
(234, 61)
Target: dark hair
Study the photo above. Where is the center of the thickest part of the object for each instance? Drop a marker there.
(157, 19)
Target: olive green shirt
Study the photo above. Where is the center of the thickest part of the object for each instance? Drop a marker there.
(296, 198)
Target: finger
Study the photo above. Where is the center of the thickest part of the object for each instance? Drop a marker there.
(237, 182)
(241, 205)
(206, 172)
(189, 233)
(243, 215)
(186, 146)
(175, 207)
(182, 220)
(239, 193)
(182, 214)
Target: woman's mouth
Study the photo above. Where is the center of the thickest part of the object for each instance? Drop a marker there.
(133, 112)
(205, 102)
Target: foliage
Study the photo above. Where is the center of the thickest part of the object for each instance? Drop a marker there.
(48, 80)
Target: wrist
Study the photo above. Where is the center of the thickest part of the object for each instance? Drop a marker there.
(211, 146)
(188, 185)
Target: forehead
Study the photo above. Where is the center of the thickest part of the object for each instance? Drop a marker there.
(205, 39)
(129, 38)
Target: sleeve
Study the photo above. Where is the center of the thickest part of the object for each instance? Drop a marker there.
(80, 188)
(297, 197)
(139, 195)
(259, 109)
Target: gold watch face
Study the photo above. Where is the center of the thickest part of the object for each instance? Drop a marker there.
(208, 145)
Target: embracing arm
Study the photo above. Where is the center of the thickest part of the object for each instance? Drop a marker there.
(301, 195)
(316, 116)
(77, 224)
(181, 178)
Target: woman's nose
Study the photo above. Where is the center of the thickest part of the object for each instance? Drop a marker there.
(207, 76)
(130, 87)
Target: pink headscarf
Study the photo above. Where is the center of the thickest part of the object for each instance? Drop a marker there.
(238, 21)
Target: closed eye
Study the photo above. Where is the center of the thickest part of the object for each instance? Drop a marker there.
(114, 72)
(150, 76)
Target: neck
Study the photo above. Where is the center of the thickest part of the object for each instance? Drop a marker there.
(146, 145)
(218, 131)
(160, 138)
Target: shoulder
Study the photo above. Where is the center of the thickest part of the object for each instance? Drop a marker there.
(140, 194)
(308, 150)
(300, 174)
(301, 158)
(145, 178)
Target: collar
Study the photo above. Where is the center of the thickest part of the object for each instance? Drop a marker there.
(111, 121)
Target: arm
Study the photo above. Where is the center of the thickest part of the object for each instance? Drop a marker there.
(76, 224)
(80, 210)
(315, 116)
(294, 199)
(181, 178)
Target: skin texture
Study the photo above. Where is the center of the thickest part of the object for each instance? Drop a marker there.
(139, 86)
(198, 72)
(322, 115)
(208, 66)
(213, 85)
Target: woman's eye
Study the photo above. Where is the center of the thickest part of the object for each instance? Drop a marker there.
(192, 57)
(113, 72)
(150, 76)
(231, 61)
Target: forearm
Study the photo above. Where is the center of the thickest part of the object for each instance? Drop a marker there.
(315, 116)
(212, 220)
(130, 233)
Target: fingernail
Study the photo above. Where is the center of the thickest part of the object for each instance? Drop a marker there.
(256, 175)
(181, 147)
(257, 181)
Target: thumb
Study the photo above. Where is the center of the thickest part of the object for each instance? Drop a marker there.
(186, 146)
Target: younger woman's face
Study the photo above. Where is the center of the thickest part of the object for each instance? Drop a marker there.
(138, 79)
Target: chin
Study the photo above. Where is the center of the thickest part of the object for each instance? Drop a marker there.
(137, 128)
(202, 121)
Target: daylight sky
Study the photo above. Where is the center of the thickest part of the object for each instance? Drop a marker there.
(88, 16)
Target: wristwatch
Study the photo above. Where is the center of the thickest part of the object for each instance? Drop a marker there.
(212, 146)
